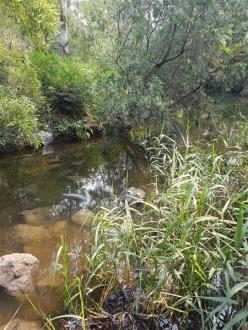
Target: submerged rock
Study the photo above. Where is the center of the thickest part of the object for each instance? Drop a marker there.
(74, 197)
(58, 228)
(17, 271)
(28, 234)
(46, 137)
(83, 217)
(31, 189)
(18, 324)
(47, 150)
(54, 160)
(44, 253)
(35, 216)
(48, 280)
(76, 163)
(75, 178)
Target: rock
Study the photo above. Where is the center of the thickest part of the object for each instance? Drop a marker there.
(54, 167)
(136, 192)
(135, 195)
(46, 137)
(233, 161)
(76, 323)
(206, 133)
(244, 92)
(28, 234)
(83, 217)
(17, 271)
(35, 216)
(18, 324)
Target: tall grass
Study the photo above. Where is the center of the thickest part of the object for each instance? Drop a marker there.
(190, 230)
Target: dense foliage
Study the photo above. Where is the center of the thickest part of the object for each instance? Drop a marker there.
(129, 61)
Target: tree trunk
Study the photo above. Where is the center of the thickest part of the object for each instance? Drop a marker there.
(64, 27)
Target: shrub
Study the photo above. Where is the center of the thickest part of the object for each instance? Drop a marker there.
(128, 100)
(18, 121)
(16, 72)
(23, 78)
(67, 83)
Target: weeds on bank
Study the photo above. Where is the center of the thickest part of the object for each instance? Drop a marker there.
(185, 247)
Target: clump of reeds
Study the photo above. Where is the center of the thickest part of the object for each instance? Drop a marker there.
(190, 232)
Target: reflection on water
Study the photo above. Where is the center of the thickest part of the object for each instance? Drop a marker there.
(96, 170)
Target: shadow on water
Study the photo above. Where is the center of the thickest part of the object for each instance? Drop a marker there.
(97, 170)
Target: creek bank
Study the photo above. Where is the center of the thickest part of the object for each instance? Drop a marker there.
(73, 130)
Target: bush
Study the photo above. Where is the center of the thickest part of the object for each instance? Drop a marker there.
(18, 121)
(23, 78)
(67, 83)
(17, 73)
(75, 128)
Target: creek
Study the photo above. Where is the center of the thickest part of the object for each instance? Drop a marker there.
(97, 170)
(34, 213)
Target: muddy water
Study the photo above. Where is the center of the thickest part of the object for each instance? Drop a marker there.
(97, 170)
